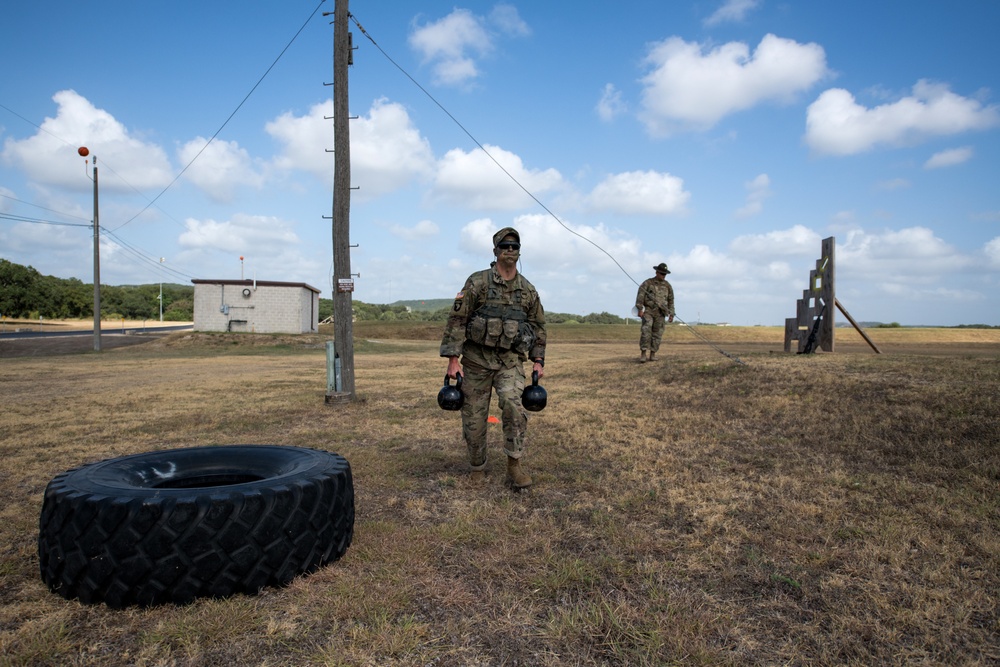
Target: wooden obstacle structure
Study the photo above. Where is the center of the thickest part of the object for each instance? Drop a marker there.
(814, 323)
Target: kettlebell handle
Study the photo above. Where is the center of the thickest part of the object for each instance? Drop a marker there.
(458, 380)
(534, 378)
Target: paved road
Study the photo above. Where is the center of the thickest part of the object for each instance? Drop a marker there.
(47, 343)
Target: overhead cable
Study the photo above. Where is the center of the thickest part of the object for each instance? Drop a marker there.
(221, 127)
(511, 176)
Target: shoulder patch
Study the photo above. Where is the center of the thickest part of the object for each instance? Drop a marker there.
(460, 295)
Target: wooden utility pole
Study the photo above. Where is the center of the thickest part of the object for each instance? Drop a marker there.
(343, 281)
(97, 268)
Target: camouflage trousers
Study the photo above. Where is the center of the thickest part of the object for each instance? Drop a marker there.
(477, 386)
(651, 332)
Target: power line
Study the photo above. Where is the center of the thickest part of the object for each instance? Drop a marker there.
(105, 164)
(33, 124)
(511, 176)
(50, 210)
(221, 127)
(144, 256)
(153, 201)
(38, 221)
(488, 154)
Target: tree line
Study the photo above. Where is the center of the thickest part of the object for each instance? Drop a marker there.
(391, 312)
(27, 294)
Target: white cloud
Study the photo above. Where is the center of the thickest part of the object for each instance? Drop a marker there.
(992, 251)
(476, 237)
(837, 125)
(453, 44)
(610, 105)
(62, 243)
(913, 254)
(304, 140)
(559, 253)
(269, 246)
(241, 235)
(506, 19)
(50, 156)
(220, 169)
(640, 193)
(446, 44)
(758, 190)
(798, 241)
(731, 10)
(904, 275)
(690, 87)
(475, 181)
(387, 151)
(424, 229)
(949, 158)
(701, 262)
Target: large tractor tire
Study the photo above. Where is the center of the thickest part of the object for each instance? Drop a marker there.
(175, 525)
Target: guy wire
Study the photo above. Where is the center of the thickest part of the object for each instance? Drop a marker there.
(518, 183)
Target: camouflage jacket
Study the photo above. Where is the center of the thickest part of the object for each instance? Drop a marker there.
(656, 296)
(495, 322)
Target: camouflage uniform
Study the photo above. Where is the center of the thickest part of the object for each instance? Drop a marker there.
(656, 297)
(495, 326)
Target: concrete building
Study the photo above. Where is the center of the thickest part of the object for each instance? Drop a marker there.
(257, 306)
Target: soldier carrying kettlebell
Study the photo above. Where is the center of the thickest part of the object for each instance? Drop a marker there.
(496, 324)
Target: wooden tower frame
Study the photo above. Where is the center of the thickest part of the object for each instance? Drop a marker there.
(814, 325)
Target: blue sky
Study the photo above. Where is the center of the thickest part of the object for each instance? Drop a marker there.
(724, 137)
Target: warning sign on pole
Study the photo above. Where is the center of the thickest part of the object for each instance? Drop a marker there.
(345, 284)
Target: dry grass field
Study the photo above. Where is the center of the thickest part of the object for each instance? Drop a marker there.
(830, 509)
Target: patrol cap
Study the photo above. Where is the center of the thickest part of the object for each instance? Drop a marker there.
(506, 231)
(661, 268)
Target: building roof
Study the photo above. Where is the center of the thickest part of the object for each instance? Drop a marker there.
(251, 283)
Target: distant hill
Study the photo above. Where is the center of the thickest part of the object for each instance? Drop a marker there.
(425, 304)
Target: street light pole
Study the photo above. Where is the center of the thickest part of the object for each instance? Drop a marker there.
(97, 261)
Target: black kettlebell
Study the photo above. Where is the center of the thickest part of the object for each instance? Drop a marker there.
(533, 398)
(450, 398)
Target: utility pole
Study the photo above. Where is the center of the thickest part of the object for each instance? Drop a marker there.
(97, 264)
(343, 283)
(162, 260)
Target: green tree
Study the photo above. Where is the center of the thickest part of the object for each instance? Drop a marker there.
(16, 285)
(181, 310)
(602, 318)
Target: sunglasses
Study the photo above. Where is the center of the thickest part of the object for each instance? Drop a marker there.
(509, 245)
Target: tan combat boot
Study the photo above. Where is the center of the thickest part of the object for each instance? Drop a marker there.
(642, 357)
(652, 356)
(515, 475)
(478, 473)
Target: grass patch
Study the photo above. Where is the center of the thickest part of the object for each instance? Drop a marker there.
(826, 510)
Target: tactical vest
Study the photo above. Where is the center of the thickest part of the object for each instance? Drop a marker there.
(501, 323)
